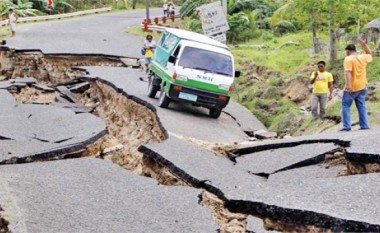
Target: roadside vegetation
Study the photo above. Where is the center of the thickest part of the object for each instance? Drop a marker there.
(276, 46)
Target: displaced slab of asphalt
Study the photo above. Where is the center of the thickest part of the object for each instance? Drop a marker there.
(272, 160)
(309, 199)
(36, 131)
(201, 168)
(310, 172)
(342, 204)
(93, 195)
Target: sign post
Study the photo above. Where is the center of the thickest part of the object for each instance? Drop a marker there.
(147, 3)
(214, 21)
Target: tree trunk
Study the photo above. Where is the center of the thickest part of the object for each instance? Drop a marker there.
(315, 39)
(333, 52)
(134, 2)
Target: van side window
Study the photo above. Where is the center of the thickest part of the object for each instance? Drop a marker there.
(163, 38)
(170, 42)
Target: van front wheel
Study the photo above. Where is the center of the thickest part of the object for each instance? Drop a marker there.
(164, 100)
(215, 112)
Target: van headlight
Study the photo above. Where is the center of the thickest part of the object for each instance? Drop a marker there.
(224, 87)
(181, 77)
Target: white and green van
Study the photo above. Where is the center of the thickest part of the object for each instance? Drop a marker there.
(190, 67)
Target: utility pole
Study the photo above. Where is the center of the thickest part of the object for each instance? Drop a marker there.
(332, 52)
(224, 4)
(147, 2)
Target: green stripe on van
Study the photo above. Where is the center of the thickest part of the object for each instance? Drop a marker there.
(202, 86)
(190, 83)
(159, 72)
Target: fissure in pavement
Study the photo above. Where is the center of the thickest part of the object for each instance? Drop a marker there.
(130, 121)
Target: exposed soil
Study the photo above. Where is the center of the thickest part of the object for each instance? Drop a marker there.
(354, 168)
(228, 222)
(335, 159)
(50, 70)
(162, 174)
(3, 224)
(129, 124)
(274, 225)
(33, 96)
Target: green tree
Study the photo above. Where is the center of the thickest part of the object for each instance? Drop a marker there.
(242, 26)
(313, 14)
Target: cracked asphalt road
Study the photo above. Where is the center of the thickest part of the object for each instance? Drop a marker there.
(91, 190)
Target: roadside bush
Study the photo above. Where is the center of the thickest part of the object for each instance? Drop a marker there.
(267, 35)
(242, 27)
(284, 26)
(195, 25)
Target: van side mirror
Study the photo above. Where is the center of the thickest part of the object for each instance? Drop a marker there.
(237, 73)
(172, 59)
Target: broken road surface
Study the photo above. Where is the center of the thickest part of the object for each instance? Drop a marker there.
(291, 184)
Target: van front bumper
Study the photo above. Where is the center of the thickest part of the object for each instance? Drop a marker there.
(198, 97)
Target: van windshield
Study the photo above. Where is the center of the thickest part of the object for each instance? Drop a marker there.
(206, 60)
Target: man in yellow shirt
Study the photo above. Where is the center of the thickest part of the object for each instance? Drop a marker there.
(355, 88)
(322, 84)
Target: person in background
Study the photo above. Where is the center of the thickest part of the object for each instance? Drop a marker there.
(171, 9)
(166, 9)
(12, 19)
(355, 88)
(322, 84)
(149, 46)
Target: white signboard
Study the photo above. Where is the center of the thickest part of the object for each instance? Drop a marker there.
(213, 18)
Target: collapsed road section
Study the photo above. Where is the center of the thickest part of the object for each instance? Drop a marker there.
(286, 184)
(130, 122)
(308, 197)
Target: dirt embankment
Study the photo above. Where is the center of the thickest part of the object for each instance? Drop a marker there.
(129, 124)
(272, 98)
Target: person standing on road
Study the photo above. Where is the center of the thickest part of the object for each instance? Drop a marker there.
(149, 46)
(171, 9)
(355, 88)
(322, 84)
(12, 19)
(166, 9)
